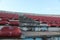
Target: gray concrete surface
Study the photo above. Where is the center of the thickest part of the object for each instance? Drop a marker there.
(27, 34)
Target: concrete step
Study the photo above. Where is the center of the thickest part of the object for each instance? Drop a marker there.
(30, 34)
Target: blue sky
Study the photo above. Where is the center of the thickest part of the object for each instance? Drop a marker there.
(31, 6)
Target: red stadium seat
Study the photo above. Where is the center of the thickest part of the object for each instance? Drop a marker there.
(15, 23)
(5, 19)
(16, 17)
(8, 32)
(16, 30)
(2, 15)
(5, 29)
(9, 15)
(3, 22)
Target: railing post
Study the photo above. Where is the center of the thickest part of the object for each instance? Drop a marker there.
(44, 38)
(34, 38)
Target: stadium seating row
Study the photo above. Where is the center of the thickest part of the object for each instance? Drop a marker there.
(52, 21)
(5, 18)
(9, 24)
(9, 16)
